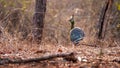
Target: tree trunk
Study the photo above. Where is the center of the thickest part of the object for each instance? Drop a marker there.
(102, 19)
(40, 9)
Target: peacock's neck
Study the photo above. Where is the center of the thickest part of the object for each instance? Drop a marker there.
(72, 25)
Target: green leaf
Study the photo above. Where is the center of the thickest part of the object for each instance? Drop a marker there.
(118, 6)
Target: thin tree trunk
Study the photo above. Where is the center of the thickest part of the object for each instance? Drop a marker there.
(40, 9)
(102, 22)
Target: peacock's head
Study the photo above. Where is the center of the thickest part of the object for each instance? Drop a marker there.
(71, 19)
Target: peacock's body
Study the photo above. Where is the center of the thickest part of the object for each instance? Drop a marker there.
(76, 33)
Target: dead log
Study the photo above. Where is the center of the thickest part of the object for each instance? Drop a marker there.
(116, 60)
(9, 61)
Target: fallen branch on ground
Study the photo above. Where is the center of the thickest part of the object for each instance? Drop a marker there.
(7, 60)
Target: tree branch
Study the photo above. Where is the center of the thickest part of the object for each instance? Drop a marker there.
(7, 60)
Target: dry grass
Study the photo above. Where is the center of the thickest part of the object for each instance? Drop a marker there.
(16, 23)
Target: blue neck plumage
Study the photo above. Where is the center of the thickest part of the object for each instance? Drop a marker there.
(72, 22)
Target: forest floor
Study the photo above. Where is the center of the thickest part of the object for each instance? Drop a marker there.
(88, 57)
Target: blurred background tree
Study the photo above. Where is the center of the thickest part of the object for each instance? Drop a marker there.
(39, 15)
(15, 16)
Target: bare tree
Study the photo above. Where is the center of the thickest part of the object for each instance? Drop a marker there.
(40, 9)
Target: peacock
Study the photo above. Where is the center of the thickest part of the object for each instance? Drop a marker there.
(76, 33)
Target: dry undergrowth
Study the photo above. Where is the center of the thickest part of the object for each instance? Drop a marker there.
(26, 50)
